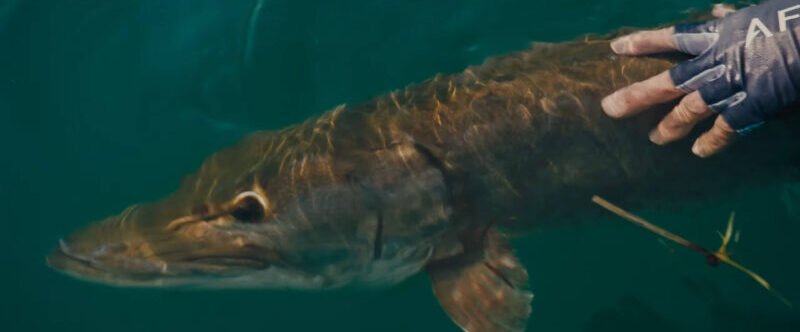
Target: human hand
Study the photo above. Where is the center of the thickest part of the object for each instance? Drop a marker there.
(746, 69)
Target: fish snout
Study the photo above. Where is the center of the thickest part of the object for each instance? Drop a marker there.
(91, 253)
(106, 248)
(141, 249)
(92, 260)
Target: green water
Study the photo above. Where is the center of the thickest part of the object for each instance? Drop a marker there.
(106, 103)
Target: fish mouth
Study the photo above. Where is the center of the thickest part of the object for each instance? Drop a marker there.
(139, 272)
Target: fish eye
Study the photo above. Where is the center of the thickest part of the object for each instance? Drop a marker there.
(249, 207)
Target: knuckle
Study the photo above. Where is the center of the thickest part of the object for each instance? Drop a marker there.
(718, 137)
(682, 114)
(690, 110)
(695, 105)
(672, 130)
(638, 42)
(666, 36)
(667, 134)
(725, 128)
(637, 38)
(722, 128)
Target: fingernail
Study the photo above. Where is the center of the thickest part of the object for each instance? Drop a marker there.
(656, 137)
(611, 106)
(698, 150)
(619, 45)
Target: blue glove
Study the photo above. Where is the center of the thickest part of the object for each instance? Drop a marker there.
(747, 65)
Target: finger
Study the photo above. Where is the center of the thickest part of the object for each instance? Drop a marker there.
(680, 121)
(645, 42)
(721, 10)
(641, 95)
(714, 140)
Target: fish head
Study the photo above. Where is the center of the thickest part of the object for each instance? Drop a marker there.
(259, 215)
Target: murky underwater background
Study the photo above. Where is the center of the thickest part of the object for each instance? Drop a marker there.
(107, 103)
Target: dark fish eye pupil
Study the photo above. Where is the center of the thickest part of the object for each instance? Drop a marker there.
(248, 209)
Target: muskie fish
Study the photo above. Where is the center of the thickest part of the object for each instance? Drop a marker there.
(423, 179)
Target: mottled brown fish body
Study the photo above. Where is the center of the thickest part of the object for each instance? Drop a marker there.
(527, 128)
(414, 181)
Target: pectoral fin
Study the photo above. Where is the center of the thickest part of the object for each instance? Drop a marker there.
(488, 292)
